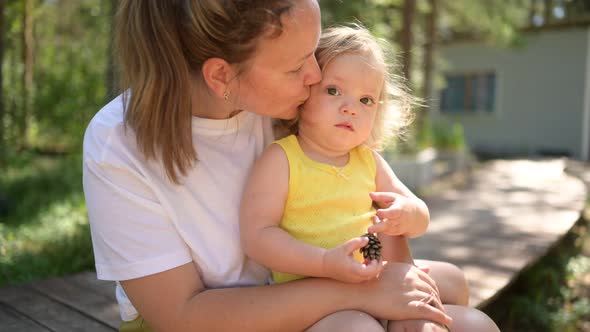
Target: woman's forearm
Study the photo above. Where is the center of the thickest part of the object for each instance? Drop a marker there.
(292, 306)
(175, 300)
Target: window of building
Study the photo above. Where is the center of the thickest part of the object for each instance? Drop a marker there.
(469, 93)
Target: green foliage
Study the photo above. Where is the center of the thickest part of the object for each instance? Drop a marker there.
(436, 133)
(71, 69)
(70, 59)
(446, 136)
(552, 295)
(382, 17)
(43, 224)
(498, 21)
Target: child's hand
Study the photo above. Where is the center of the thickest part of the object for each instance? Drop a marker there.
(397, 218)
(339, 264)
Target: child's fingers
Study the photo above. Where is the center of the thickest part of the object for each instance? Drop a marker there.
(383, 199)
(392, 212)
(368, 271)
(354, 244)
(375, 219)
(389, 227)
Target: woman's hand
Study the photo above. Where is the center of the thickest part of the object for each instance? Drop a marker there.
(398, 215)
(403, 292)
(339, 264)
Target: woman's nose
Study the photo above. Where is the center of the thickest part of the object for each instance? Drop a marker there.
(314, 74)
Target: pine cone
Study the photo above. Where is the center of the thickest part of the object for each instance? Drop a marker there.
(373, 249)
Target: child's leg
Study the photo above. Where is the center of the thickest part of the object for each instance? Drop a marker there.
(347, 321)
(450, 280)
(469, 319)
(464, 320)
(417, 325)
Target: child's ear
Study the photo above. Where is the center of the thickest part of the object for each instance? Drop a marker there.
(218, 74)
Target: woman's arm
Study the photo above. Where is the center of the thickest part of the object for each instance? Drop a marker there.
(261, 210)
(175, 300)
(402, 212)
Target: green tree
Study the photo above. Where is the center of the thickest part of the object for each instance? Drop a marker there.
(2, 148)
(54, 68)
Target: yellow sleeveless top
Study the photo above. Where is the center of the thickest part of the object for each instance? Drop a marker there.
(326, 205)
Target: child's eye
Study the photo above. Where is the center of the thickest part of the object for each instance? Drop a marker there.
(367, 101)
(333, 91)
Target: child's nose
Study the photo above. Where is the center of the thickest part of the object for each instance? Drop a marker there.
(349, 108)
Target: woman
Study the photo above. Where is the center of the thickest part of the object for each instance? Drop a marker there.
(163, 174)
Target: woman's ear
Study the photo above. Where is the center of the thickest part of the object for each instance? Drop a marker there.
(218, 74)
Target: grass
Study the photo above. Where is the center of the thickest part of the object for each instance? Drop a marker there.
(43, 224)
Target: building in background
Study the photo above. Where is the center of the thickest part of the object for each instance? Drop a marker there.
(533, 100)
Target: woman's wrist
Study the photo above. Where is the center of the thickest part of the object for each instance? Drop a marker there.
(352, 296)
(330, 295)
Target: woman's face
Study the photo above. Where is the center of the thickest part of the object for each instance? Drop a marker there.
(276, 80)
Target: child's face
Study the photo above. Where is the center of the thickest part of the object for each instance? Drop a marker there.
(341, 109)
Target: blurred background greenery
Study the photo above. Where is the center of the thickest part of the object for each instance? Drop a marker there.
(56, 72)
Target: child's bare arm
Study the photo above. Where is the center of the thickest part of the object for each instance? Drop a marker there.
(261, 210)
(396, 249)
(407, 215)
(402, 212)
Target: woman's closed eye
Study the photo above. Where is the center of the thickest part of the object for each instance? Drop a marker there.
(298, 69)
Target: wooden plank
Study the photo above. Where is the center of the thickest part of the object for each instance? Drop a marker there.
(13, 321)
(84, 297)
(52, 314)
(88, 280)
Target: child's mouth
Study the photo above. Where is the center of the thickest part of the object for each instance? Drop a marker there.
(345, 125)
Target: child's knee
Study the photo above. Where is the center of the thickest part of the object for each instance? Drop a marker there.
(459, 285)
(348, 321)
(413, 325)
(470, 319)
(360, 321)
(451, 283)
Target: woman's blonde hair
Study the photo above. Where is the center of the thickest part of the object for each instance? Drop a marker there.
(160, 47)
(395, 103)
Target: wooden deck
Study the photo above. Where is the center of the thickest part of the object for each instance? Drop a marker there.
(75, 303)
(504, 219)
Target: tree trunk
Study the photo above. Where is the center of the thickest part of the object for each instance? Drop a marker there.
(430, 49)
(548, 12)
(111, 78)
(2, 134)
(406, 38)
(27, 58)
(532, 12)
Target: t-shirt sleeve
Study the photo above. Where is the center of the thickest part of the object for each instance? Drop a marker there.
(132, 234)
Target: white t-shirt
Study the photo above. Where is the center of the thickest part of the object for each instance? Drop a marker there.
(142, 224)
